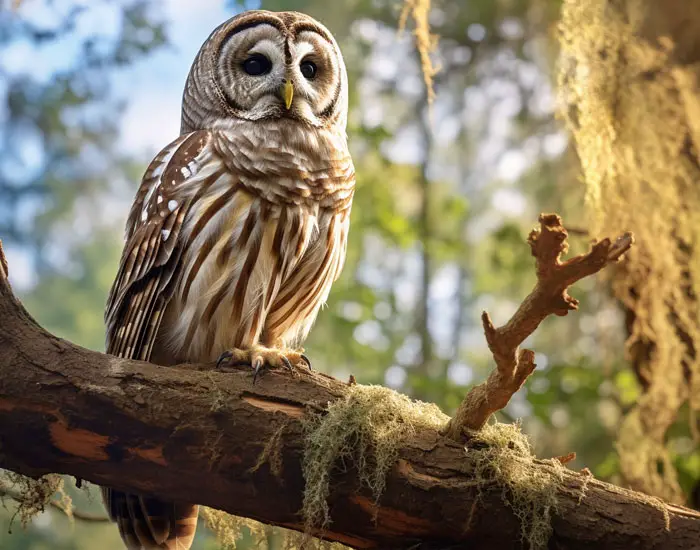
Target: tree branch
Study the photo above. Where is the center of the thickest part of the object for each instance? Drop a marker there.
(191, 434)
(550, 296)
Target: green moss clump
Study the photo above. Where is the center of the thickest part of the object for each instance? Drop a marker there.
(294, 540)
(366, 428)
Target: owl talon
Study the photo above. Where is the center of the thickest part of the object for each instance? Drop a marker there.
(287, 363)
(223, 358)
(260, 358)
(306, 360)
(258, 365)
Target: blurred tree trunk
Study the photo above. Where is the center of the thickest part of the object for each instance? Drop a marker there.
(630, 78)
(427, 358)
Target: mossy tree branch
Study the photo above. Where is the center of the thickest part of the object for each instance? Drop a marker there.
(194, 434)
(550, 296)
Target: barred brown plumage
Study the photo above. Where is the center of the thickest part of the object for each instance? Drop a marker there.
(240, 225)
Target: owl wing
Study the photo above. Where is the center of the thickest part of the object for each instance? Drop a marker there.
(135, 306)
(140, 291)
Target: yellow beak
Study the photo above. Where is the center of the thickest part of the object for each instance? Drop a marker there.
(288, 94)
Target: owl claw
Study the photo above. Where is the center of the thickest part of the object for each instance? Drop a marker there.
(223, 358)
(258, 364)
(260, 358)
(287, 363)
(273, 358)
(306, 360)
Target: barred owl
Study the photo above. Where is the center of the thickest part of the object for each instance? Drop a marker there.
(240, 225)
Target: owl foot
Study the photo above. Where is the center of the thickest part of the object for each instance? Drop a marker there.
(261, 358)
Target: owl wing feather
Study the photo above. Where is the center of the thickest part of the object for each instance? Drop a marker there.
(147, 266)
(134, 310)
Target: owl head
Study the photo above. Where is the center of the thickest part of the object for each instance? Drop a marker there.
(263, 65)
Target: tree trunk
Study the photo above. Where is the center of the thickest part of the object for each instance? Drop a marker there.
(630, 79)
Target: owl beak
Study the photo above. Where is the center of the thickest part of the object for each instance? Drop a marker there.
(288, 93)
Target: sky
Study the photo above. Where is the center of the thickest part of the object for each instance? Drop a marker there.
(153, 86)
(157, 82)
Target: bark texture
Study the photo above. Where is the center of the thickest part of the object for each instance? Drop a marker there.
(196, 435)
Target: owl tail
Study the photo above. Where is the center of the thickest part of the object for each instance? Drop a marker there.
(146, 523)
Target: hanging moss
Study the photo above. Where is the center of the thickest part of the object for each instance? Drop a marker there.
(507, 462)
(426, 42)
(229, 530)
(366, 428)
(32, 496)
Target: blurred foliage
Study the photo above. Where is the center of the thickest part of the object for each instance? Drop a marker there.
(445, 199)
(60, 122)
(76, 316)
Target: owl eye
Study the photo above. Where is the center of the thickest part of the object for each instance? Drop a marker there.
(257, 64)
(308, 69)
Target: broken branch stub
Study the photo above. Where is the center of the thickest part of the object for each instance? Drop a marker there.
(550, 296)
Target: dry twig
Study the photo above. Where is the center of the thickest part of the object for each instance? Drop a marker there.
(550, 296)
